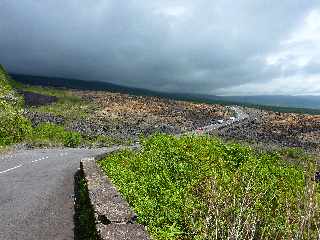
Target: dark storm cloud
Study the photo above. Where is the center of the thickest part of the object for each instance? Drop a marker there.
(193, 46)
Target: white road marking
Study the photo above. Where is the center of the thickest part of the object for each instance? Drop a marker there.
(40, 159)
(10, 169)
(36, 160)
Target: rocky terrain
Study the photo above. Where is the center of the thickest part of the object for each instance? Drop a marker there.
(281, 129)
(126, 116)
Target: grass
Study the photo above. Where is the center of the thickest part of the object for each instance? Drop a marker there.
(49, 91)
(69, 105)
(69, 110)
(201, 188)
(52, 135)
(47, 134)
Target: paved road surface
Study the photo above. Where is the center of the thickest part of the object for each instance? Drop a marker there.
(239, 116)
(36, 193)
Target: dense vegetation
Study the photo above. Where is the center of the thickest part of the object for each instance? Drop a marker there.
(201, 188)
(13, 126)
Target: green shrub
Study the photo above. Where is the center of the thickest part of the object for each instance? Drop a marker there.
(72, 139)
(5, 87)
(200, 188)
(55, 135)
(13, 126)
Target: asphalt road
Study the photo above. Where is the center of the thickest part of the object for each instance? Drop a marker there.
(239, 116)
(36, 193)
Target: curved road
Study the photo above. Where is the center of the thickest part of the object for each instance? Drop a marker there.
(36, 193)
(37, 186)
(239, 116)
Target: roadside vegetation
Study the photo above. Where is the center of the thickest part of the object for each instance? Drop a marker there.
(53, 135)
(47, 134)
(16, 128)
(13, 126)
(197, 187)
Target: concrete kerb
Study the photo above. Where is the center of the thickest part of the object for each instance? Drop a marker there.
(115, 220)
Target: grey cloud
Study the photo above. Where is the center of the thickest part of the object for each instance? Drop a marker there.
(187, 46)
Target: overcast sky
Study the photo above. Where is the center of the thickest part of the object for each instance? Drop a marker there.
(214, 47)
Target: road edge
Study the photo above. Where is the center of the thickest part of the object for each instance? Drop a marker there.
(114, 218)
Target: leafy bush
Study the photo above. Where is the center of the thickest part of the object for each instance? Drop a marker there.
(200, 188)
(55, 134)
(5, 87)
(13, 126)
(72, 139)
